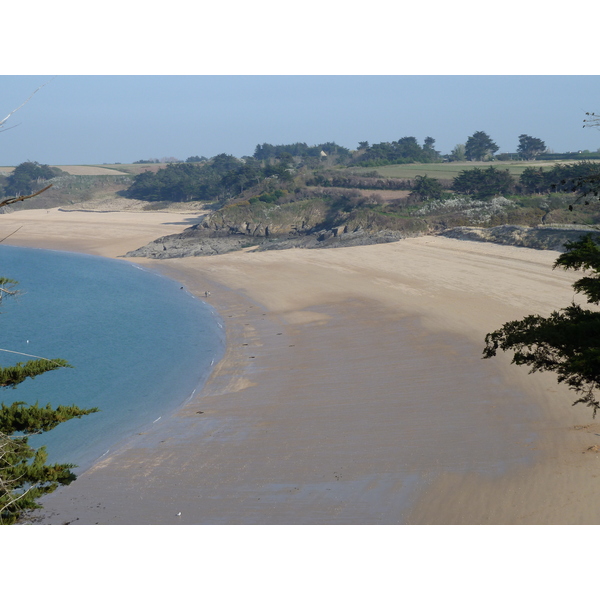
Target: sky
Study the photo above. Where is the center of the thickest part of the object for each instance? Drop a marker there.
(129, 82)
(96, 119)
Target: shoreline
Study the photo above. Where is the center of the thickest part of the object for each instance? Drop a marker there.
(185, 343)
(351, 391)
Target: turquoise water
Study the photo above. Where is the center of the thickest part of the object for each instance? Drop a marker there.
(139, 344)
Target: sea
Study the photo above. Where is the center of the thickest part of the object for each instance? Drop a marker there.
(140, 346)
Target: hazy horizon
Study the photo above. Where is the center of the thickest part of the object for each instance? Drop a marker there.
(96, 119)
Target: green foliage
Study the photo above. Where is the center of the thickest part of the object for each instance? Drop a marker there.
(458, 154)
(27, 177)
(266, 152)
(405, 150)
(479, 146)
(24, 474)
(483, 183)
(26, 478)
(583, 255)
(567, 342)
(13, 376)
(224, 163)
(366, 181)
(427, 188)
(223, 177)
(582, 177)
(269, 198)
(29, 420)
(530, 147)
(571, 155)
(280, 171)
(7, 287)
(178, 182)
(533, 181)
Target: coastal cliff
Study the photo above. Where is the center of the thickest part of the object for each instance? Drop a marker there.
(326, 223)
(307, 224)
(203, 240)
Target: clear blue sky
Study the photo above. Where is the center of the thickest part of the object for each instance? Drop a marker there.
(104, 119)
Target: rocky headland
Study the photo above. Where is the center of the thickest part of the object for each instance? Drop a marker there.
(203, 239)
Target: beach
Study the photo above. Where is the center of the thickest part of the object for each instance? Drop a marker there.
(352, 390)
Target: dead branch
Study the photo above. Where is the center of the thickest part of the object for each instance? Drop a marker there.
(20, 198)
(7, 236)
(22, 105)
(593, 121)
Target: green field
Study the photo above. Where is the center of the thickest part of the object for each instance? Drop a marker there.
(451, 170)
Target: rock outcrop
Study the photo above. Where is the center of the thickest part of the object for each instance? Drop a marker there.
(203, 241)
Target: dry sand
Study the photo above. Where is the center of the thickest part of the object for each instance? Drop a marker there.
(352, 390)
(109, 234)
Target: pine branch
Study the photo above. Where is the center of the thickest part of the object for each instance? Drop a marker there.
(12, 376)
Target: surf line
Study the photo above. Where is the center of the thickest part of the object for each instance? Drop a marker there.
(191, 395)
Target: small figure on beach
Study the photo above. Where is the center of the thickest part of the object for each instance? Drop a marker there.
(207, 294)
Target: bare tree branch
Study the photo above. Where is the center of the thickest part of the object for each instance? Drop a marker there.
(7, 236)
(20, 198)
(593, 121)
(22, 105)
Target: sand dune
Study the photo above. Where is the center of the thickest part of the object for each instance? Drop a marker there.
(352, 390)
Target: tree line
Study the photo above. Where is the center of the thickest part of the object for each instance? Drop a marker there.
(478, 147)
(27, 178)
(223, 177)
(483, 183)
(301, 150)
(478, 182)
(405, 150)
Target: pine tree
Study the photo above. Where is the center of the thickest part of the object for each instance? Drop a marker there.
(24, 474)
(479, 146)
(566, 342)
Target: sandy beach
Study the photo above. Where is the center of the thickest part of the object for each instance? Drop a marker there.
(352, 390)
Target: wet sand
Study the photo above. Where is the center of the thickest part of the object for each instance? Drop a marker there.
(352, 391)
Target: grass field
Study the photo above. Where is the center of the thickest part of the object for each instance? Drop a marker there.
(98, 169)
(410, 171)
(451, 170)
(79, 170)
